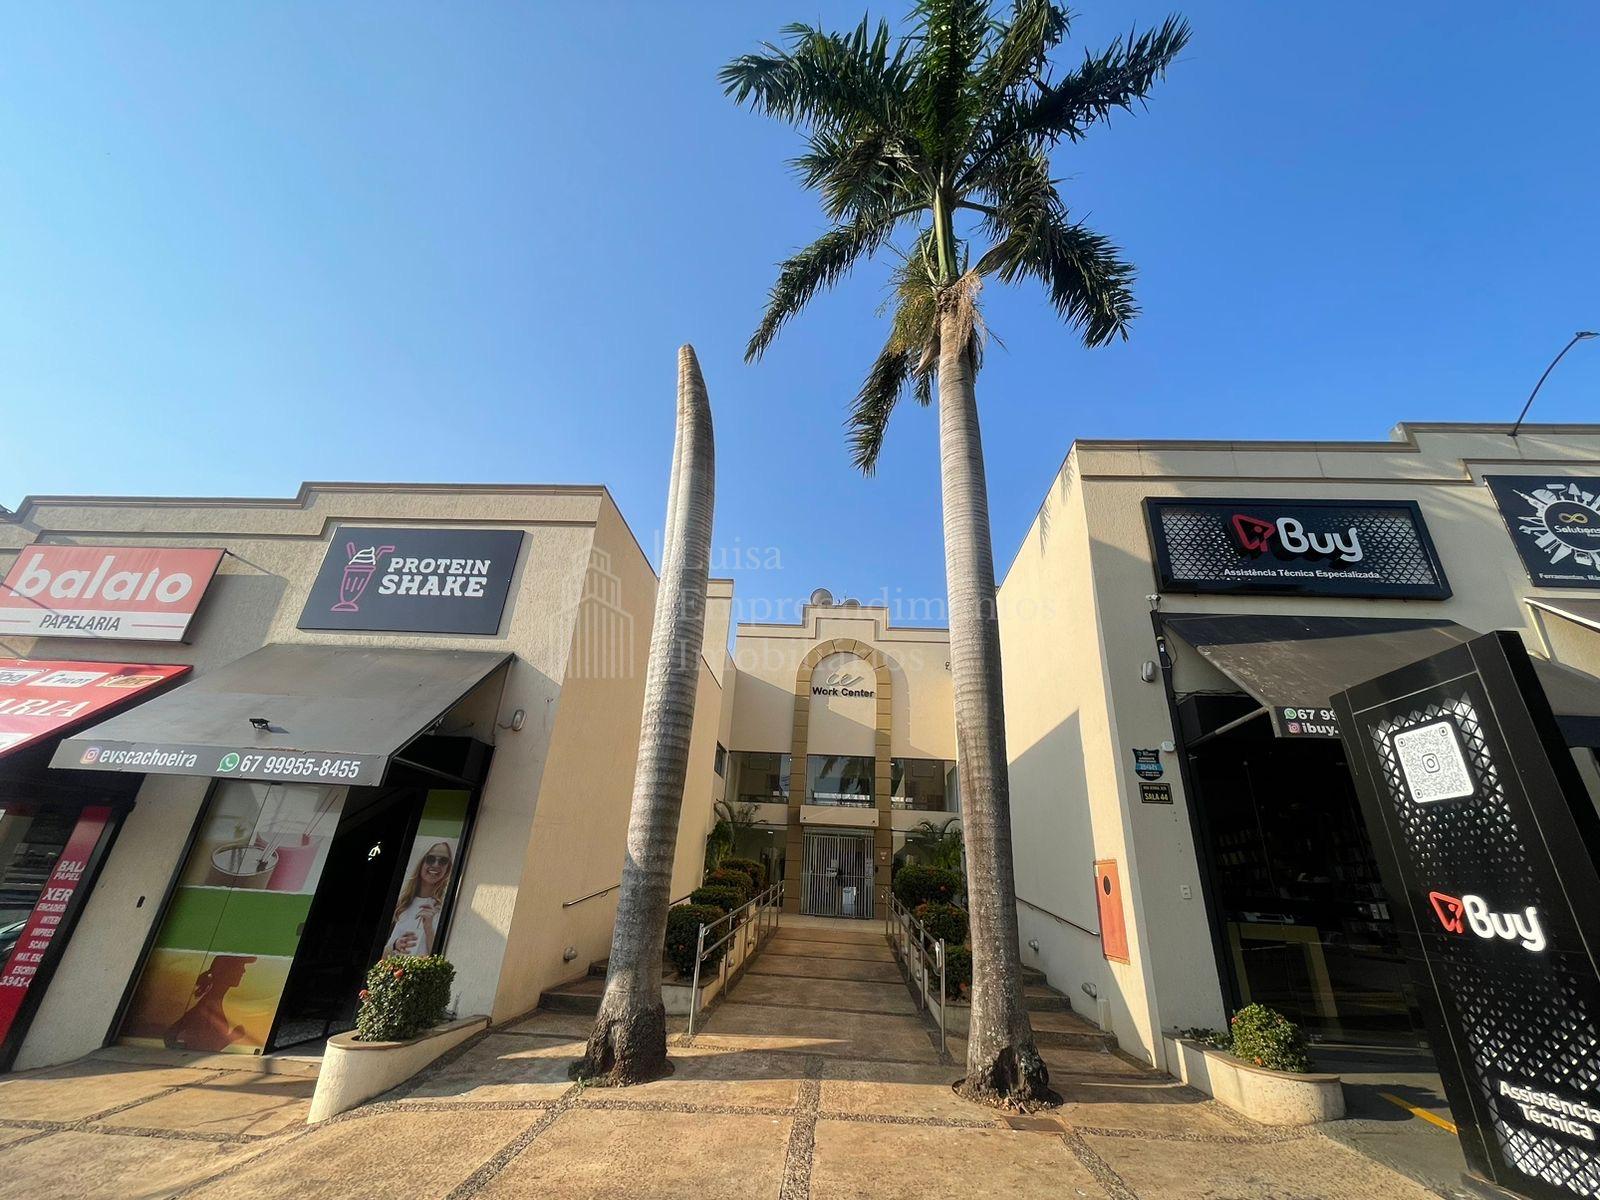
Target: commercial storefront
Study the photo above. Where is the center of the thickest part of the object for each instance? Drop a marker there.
(402, 720)
(841, 750)
(1175, 628)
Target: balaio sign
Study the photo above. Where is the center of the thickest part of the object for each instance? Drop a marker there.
(128, 593)
(1366, 548)
(414, 580)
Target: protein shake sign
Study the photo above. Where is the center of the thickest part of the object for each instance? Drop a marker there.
(414, 580)
(137, 594)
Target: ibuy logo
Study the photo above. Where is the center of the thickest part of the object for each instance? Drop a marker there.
(1255, 534)
(1457, 914)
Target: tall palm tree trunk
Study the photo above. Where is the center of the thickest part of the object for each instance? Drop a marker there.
(1003, 1064)
(629, 1042)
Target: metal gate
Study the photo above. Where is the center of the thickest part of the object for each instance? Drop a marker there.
(836, 875)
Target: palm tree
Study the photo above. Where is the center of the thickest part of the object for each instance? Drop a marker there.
(947, 132)
(939, 844)
(629, 1041)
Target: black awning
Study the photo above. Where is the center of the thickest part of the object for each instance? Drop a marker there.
(1580, 609)
(316, 714)
(1291, 664)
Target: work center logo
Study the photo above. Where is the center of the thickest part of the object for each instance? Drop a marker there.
(1459, 913)
(1256, 534)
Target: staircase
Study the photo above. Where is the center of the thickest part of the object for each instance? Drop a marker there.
(579, 996)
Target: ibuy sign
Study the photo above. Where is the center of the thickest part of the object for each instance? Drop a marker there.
(129, 593)
(1376, 548)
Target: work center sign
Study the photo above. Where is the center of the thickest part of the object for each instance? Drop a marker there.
(414, 580)
(1361, 548)
(127, 593)
(1555, 523)
(1487, 839)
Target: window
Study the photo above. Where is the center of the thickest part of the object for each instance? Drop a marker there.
(759, 778)
(842, 779)
(722, 759)
(921, 784)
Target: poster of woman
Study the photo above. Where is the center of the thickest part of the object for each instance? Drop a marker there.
(419, 910)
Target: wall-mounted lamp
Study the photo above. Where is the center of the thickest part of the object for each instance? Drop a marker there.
(260, 724)
(1147, 671)
(518, 719)
(1033, 944)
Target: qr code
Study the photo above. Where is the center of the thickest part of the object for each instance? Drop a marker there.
(1432, 763)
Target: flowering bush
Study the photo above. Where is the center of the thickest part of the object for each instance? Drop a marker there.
(725, 898)
(737, 880)
(404, 996)
(914, 885)
(957, 970)
(683, 935)
(1267, 1038)
(748, 866)
(943, 921)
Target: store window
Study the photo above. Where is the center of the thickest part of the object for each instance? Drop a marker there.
(839, 779)
(919, 784)
(759, 778)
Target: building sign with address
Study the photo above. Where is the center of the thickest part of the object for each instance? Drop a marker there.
(1555, 523)
(393, 580)
(122, 593)
(180, 758)
(1306, 722)
(1356, 548)
(1485, 836)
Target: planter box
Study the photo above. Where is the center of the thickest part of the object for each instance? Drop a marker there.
(676, 993)
(1271, 1097)
(354, 1072)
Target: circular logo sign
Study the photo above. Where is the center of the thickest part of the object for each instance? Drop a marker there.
(230, 762)
(1573, 524)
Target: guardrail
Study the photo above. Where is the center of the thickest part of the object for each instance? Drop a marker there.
(920, 955)
(746, 922)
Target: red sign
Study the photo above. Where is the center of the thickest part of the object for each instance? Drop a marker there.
(48, 913)
(138, 593)
(41, 698)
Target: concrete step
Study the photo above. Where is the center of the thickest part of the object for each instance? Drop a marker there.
(579, 996)
(598, 968)
(1068, 1029)
(1039, 997)
(1032, 975)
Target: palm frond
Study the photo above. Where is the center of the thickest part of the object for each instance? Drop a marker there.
(1120, 76)
(951, 36)
(821, 264)
(908, 359)
(859, 173)
(823, 80)
(1022, 50)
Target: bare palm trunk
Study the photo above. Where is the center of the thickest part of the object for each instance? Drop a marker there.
(1003, 1064)
(629, 1042)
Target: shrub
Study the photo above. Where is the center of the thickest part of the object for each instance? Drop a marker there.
(943, 921)
(957, 970)
(405, 995)
(1267, 1038)
(757, 872)
(683, 934)
(716, 896)
(1207, 1036)
(914, 885)
(738, 880)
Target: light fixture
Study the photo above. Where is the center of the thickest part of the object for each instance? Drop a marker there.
(260, 724)
(1583, 335)
(1147, 671)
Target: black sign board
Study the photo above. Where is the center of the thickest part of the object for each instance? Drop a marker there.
(1305, 722)
(414, 580)
(1155, 793)
(1361, 548)
(1147, 764)
(1555, 523)
(182, 758)
(1486, 838)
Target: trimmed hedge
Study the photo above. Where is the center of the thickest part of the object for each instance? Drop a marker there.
(957, 969)
(757, 872)
(683, 935)
(915, 884)
(1267, 1038)
(725, 898)
(738, 880)
(405, 995)
(944, 921)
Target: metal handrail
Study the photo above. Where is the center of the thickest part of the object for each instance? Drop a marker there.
(907, 934)
(768, 900)
(591, 895)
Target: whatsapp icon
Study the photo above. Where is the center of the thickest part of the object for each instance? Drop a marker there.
(230, 762)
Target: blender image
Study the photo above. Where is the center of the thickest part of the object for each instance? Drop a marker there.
(357, 572)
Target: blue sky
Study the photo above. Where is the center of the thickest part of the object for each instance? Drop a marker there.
(245, 246)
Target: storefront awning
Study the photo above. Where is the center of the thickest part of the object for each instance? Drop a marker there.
(1583, 611)
(40, 698)
(316, 714)
(1293, 665)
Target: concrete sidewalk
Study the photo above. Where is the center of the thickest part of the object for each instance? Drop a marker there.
(830, 1089)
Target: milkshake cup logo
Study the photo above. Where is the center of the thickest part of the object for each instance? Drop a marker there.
(357, 573)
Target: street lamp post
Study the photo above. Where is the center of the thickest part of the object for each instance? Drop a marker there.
(1582, 335)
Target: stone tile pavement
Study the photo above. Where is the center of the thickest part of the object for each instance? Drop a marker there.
(783, 1101)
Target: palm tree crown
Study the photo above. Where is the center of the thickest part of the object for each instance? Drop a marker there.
(961, 114)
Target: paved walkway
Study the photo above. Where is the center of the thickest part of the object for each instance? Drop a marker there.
(815, 1079)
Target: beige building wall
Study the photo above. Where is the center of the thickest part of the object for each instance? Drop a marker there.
(555, 801)
(1076, 705)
